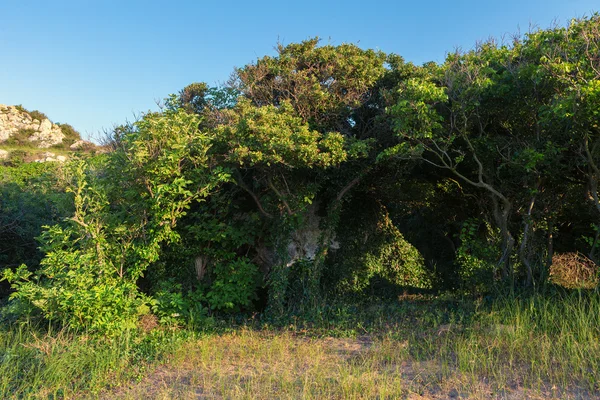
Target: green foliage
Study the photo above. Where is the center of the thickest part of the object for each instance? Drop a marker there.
(32, 195)
(396, 260)
(16, 158)
(507, 121)
(71, 135)
(234, 285)
(35, 114)
(21, 137)
(93, 261)
(476, 257)
(224, 190)
(323, 84)
(173, 306)
(80, 281)
(192, 97)
(272, 135)
(374, 252)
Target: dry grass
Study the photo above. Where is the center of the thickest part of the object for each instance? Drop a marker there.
(536, 347)
(574, 271)
(266, 365)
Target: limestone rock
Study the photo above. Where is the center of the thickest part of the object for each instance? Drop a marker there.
(304, 242)
(61, 158)
(43, 133)
(81, 145)
(3, 154)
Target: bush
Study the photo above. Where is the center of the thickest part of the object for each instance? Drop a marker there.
(174, 307)
(35, 114)
(32, 195)
(234, 286)
(573, 271)
(79, 281)
(124, 211)
(71, 135)
(16, 158)
(40, 116)
(20, 138)
(476, 257)
(375, 254)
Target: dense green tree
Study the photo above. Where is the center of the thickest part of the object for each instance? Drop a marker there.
(328, 167)
(484, 117)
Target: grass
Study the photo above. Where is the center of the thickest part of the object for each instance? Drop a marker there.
(29, 153)
(538, 342)
(63, 364)
(518, 347)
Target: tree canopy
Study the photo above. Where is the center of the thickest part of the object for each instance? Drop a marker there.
(330, 171)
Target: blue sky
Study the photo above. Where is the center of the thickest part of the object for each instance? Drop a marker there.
(94, 64)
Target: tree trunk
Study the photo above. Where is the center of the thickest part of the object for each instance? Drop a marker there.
(200, 264)
(501, 216)
(523, 256)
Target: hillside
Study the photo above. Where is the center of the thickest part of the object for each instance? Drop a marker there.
(27, 136)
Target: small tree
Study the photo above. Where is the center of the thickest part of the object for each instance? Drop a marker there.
(124, 212)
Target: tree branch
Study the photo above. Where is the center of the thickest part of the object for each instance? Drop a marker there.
(240, 182)
(278, 193)
(350, 185)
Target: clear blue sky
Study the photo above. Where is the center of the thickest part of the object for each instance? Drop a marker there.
(97, 63)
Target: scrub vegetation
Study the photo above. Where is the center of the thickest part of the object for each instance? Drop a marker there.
(333, 222)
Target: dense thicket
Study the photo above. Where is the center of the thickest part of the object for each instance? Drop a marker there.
(329, 171)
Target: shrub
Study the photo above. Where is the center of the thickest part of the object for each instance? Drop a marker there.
(573, 271)
(476, 257)
(79, 281)
(40, 116)
(125, 210)
(172, 306)
(20, 138)
(35, 114)
(375, 252)
(234, 286)
(32, 196)
(71, 135)
(16, 158)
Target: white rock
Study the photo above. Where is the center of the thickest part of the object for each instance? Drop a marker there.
(61, 158)
(81, 144)
(44, 133)
(45, 126)
(3, 154)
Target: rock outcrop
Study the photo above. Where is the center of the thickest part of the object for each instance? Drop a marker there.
(15, 121)
(50, 157)
(82, 145)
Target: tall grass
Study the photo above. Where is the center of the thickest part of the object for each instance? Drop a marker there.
(42, 363)
(538, 341)
(537, 346)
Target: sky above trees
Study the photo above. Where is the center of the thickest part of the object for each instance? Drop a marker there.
(96, 64)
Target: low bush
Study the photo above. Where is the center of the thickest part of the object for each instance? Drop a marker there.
(574, 271)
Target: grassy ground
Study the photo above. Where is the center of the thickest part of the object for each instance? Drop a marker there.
(531, 347)
(32, 150)
(30, 153)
